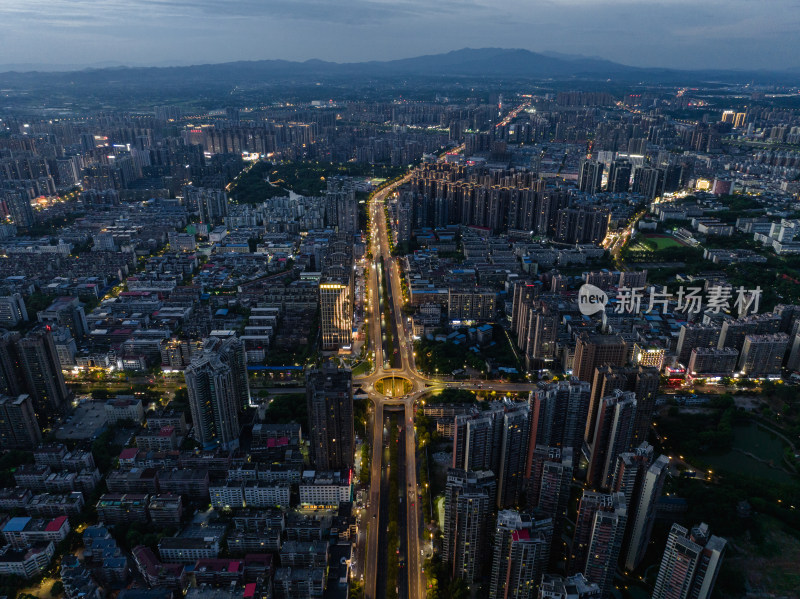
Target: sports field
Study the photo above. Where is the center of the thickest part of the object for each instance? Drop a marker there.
(663, 242)
(649, 243)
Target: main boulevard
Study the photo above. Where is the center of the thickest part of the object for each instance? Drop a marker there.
(420, 386)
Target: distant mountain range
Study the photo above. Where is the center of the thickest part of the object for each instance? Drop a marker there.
(485, 63)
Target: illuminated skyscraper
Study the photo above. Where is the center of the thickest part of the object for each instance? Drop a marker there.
(336, 293)
(336, 313)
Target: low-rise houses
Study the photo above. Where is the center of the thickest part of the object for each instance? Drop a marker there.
(27, 562)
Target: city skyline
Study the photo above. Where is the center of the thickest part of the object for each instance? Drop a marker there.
(675, 34)
(284, 330)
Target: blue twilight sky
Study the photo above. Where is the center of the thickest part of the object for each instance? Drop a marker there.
(738, 34)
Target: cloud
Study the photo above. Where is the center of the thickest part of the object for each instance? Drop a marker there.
(675, 33)
(340, 11)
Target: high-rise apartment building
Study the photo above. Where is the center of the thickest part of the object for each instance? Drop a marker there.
(762, 355)
(525, 292)
(582, 224)
(543, 330)
(592, 351)
(548, 485)
(496, 440)
(608, 530)
(66, 312)
(536, 324)
(341, 206)
(695, 335)
(558, 414)
(513, 454)
(619, 176)
(641, 479)
(520, 553)
(599, 531)
(211, 205)
(231, 351)
(554, 586)
(690, 564)
(713, 361)
(18, 426)
(329, 396)
(643, 381)
(41, 370)
(793, 361)
(468, 499)
(649, 181)
(216, 381)
(19, 208)
(12, 310)
(12, 381)
(612, 436)
(631, 466)
(477, 440)
(336, 294)
(733, 332)
(590, 175)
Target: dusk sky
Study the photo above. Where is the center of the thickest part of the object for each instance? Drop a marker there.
(737, 34)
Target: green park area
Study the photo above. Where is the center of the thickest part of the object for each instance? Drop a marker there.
(444, 358)
(362, 368)
(266, 180)
(754, 452)
(741, 483)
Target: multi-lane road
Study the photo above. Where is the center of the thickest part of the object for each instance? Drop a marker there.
(419, 387)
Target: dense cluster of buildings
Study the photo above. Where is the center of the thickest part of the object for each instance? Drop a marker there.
(121, 251)
(512, 472)
(288, 499)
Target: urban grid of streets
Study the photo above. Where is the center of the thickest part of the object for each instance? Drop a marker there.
(420, 386)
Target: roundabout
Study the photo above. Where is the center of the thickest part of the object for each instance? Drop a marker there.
(393, 386)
